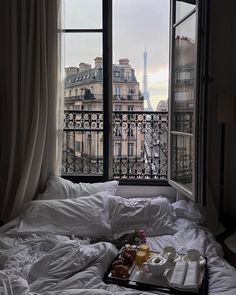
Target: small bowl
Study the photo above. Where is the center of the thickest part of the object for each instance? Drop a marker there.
(157, 265)
(193, 255)
(170, 252)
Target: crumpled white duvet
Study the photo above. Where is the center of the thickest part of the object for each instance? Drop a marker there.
(62, 265)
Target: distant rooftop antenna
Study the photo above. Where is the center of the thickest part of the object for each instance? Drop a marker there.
(145, 82)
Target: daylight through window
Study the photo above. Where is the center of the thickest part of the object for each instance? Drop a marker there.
(139, 99)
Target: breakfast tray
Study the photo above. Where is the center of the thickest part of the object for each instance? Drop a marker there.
(147, 282)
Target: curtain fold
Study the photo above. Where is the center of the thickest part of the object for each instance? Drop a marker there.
(31, 123)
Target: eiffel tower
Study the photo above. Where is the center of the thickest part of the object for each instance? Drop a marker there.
(145, 83)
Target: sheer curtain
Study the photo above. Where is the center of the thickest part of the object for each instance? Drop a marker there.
(31, 107)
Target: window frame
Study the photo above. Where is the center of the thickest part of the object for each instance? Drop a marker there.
(201, 76)
(106, 32)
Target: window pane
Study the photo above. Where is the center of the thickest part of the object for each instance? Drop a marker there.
(183, 7)
(184, 76)
(138, 27)
(80, 14)
(83, 72)
(82, 150)
(82, 48)
(83, 116)
(140, 88)
(182, 160)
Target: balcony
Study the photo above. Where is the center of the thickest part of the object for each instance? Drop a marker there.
(139, 152)
(127, 97)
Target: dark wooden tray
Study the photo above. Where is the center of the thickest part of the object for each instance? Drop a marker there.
(129, 283)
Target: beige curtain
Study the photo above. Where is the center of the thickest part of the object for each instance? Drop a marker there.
(31, 107)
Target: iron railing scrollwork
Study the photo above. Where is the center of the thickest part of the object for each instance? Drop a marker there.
(139, 144)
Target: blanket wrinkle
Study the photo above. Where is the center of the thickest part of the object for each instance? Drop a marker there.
(36, 263)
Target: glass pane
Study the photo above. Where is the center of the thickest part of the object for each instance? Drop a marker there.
(82, 48)
(183, 7)
(83, 115)
(80, 14)
(82, 152)
(138, 27)
(182, 160)
(184, 76)
(140, 145)
(140, 88)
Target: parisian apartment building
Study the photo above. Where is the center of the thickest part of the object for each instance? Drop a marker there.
(84, 92)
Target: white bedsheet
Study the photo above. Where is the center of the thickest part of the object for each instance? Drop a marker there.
(60, 264)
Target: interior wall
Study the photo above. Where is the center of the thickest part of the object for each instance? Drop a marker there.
(222, 70)
(230, 173)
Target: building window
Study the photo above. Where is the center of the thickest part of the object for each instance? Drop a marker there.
(130, 108)
(130, 132)
(131, 90)
(130, 149)
(118, 131)
(118, 149)
(77, 146)
(117, 90)
(127, 76)
(118, 108)
(117, 74)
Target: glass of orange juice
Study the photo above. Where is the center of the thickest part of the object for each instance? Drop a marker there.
(144, 248)
(140, 258)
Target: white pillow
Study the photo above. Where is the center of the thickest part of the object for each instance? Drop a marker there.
(60, 188)
(87, 189)
(84, 216)
(141, 213)
(189, 210)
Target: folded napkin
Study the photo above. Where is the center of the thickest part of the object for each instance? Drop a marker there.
(191, 278)
(178, 275)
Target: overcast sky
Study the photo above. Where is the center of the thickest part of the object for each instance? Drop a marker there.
(136, 24)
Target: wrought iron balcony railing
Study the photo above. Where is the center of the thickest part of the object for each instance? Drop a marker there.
(139, 144)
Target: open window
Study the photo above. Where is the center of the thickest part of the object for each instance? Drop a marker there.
(187, 99)
(115, 116)
(108, 131)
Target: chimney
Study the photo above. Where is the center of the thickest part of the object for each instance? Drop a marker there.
(98, 62)
(70, 71)
(84, 67)
(124, 62)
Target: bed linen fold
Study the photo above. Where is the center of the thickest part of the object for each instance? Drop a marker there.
(53, 264)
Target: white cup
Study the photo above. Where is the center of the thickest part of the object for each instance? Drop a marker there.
(170, 252)
(193, 255)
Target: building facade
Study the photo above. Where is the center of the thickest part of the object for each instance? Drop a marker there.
(84, 94)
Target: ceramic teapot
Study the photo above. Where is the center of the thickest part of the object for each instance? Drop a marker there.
(157, 265)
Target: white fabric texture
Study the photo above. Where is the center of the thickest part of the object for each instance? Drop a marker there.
(178, 275)
(149, 214)
(83, 216)
(230, 242)
(189, 210)
(191, 278)
(51, 264)
(29, 107)
(59, 188)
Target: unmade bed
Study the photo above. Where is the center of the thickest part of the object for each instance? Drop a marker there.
(62, 242)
